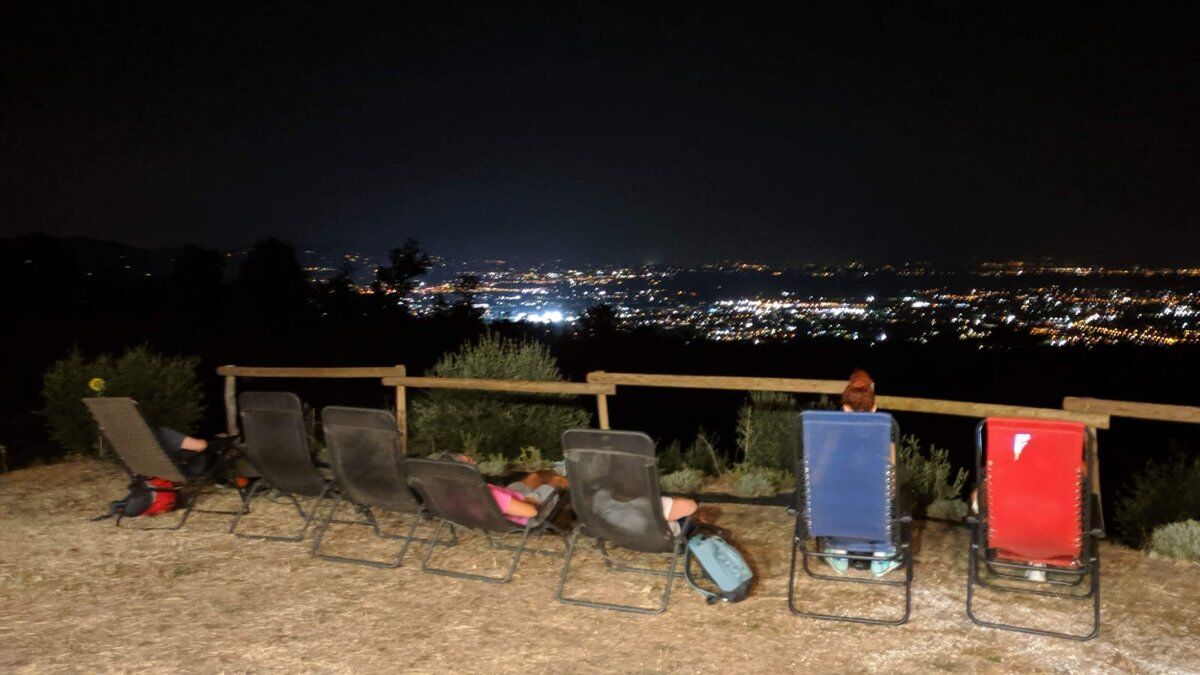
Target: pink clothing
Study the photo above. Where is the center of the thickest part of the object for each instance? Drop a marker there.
(504, 497)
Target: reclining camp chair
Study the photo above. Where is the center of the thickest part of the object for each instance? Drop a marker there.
(275, 442)
(456, 494)
(617, 499)
(845, 472)
(368, 470)
(126, 430)
(1035, 515)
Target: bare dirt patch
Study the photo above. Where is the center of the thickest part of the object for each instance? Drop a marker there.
(83, 596)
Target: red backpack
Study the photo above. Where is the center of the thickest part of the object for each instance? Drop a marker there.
(149, 497)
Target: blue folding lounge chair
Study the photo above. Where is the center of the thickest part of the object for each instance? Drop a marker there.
(848, 501)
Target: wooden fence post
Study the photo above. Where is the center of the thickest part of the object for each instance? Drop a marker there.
(402, 412)
(231, 411)
(602, 409)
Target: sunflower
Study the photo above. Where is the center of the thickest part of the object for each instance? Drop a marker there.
(96, 384)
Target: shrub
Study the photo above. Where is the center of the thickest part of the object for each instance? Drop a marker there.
(671, 459)
(1177, 540)
(494, 465)
(765, 428)
(165, 387)
(947, 509)
(685, 480)
(530, 459)
(1161, 493)
(495, 423)
(922, 479)
(759, 481)
(702, 454)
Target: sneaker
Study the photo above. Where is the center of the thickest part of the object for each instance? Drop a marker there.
(839, 565)
(882, 567)
(1036, 575)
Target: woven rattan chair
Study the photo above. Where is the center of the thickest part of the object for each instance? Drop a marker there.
(123, 427)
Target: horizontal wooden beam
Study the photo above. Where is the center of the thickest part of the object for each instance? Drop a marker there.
(515, 386)
(981, 410)
(784, 384)
(804, 386)
(1146, 411)
(349, 372)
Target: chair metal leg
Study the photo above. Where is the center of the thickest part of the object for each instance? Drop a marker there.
(905, 554)
(670, 574)
(319, 536)
(512, 567)
(299, 535)
(1092, 567)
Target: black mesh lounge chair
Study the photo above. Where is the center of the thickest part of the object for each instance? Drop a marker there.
(617, 499)
(634, 442)
(275, 442)
(126, 430)
(456, 494)
(848, 485)
(368, 470)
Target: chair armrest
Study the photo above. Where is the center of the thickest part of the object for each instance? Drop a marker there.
(1097, 532)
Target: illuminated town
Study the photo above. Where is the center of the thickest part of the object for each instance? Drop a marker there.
(990, 306)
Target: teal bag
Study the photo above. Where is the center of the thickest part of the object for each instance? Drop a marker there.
(722, 564)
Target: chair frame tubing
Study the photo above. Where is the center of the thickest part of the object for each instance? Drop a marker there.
(307, 516)
(670, 573)
(903, 554)
(370, 520)
(1089, 567)
(519, 549)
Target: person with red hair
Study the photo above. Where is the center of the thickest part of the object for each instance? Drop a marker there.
(859, 396)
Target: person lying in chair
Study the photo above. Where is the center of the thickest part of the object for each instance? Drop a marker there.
(859, 396)
(195, 456)
(519, 500)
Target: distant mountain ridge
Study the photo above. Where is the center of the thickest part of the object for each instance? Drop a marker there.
(85, 254)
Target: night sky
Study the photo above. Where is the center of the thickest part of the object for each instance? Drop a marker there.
(618, 133)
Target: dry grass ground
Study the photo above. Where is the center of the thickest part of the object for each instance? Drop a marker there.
(83, 596)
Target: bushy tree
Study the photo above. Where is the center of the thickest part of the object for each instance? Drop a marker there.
(165, 387)
(765, 428)
(1161, 493)
(271, 283)
(405, 264)
(923, 478)
(495, 423)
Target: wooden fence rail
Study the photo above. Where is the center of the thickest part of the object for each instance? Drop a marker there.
(231, 373)
(804, 386)
(1146, 411)
(600, 391)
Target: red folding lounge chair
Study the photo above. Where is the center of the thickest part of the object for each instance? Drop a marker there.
(1035, 515)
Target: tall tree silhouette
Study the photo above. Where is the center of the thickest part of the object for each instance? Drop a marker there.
(271, 283)
(405, 264)
(598, 321)
(197, 279)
